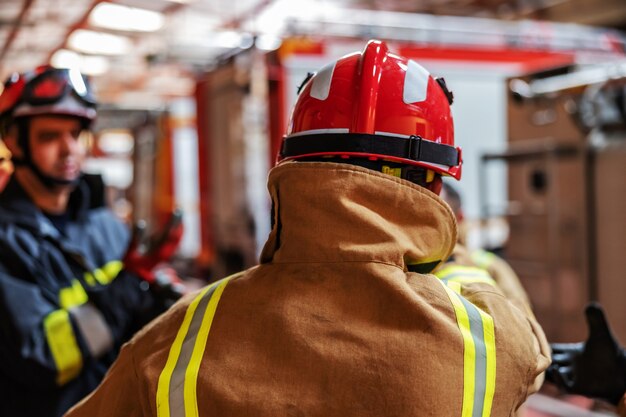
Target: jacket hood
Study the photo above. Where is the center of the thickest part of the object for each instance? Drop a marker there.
(330, 212)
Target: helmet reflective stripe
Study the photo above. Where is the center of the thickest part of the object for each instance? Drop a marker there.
(320, 89)
(69, 105)
(320, 131)
(415, 83)
(77, 80)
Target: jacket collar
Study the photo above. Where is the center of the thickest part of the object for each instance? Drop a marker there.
(328, 212)
(17, 207)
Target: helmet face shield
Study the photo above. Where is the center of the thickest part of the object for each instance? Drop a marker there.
(48, 90)
(375, 105)
(50, 87)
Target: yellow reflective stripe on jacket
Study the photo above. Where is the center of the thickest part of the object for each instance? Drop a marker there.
(62, 342)
(72, 296)
(58, 327)
(105, 274)
(176, 389)
(464, 275)
(112, 269)
(479, 355)
(482, 258)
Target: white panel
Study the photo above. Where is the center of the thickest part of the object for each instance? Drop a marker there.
(480, 124)
(320, 89)
(186, 175)
(415, 83)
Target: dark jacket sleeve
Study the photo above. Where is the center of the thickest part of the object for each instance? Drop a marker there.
(29, 324)
(126, 304)
(44, 342)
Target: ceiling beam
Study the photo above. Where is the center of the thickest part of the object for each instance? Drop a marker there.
(14, 30)
(80, 23)
(235, 23)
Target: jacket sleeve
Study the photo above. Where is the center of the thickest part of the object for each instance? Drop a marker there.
(47, 344)
(505, 277)
(119, 394)
(519, 332)
(526, 338)
(39, 342)
(126, 304)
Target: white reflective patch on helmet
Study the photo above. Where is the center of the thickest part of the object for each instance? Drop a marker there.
(415, 83)
(77, 81)
(69, 106)
(320, 89)
(321, 131)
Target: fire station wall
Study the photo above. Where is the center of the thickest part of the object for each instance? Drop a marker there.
(546, 245)
(565, 211)
(547, 216)
(610, 210)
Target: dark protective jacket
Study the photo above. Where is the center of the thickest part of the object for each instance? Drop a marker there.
(66, 305)
(332, 322)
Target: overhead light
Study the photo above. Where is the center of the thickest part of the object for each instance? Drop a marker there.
(114, 141)
(91, 42)
(65, 59)
(88, 65)
(94, 65)
(273, 19)
(268, 42)
(226, 39)
(118, 17)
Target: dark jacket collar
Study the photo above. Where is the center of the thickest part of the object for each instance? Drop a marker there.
(16, 206)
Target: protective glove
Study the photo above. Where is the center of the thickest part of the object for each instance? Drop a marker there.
(144, 255)
(595, 368)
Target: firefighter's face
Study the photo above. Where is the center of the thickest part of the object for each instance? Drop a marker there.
(56, 146)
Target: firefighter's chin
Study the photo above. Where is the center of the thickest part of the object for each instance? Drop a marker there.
(68, 171)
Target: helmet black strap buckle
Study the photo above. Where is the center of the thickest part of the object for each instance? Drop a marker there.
(415, 147)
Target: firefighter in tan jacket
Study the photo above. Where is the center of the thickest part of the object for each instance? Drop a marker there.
(341, 317)
(480, 262)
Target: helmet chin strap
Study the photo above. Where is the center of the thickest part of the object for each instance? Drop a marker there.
(48, 181)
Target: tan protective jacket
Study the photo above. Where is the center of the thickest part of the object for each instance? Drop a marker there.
(331, 323)
(501, 272)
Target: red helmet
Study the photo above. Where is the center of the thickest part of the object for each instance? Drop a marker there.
(47, 90)
(375, 105)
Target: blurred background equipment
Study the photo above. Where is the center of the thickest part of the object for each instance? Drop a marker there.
(566, 161)
(146, 257)
(196, 94)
